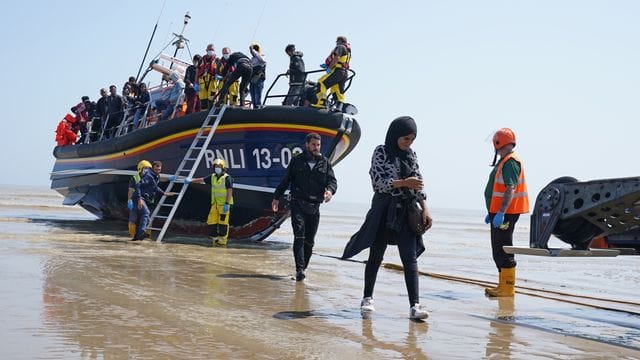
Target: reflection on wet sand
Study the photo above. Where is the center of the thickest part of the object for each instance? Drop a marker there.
(410, 348)
(80, 289)
(151, 302)
(501, 334)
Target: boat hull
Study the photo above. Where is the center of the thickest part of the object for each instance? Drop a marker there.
(256, 145)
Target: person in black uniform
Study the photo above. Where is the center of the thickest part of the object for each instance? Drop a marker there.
(242, 69)
(311, 179)
(297, 76)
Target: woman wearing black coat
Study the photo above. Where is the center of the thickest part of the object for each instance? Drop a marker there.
(397, 185)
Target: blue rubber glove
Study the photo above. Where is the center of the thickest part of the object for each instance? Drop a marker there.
(487, 219)
(130, 204)
(171, 178)
(187, 180)
(498, 220)
(327, 70)
(196, 87)
(323, 66)
(225, 208)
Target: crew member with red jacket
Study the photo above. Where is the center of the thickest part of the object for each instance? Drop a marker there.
(207, 77)
(64, 135)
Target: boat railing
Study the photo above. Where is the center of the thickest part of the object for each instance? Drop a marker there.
(128, 123)
(301, 85)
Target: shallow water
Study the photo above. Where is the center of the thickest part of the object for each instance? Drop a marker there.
(72, 287)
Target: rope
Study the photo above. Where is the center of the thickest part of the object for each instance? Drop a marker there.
(221, 16)
(519, 290)
(253, 37)
(161, 10)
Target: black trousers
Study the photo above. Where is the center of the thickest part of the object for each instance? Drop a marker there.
(294, 95)
(243, 70)
(406, 241)
(304, 221)
(503, 237)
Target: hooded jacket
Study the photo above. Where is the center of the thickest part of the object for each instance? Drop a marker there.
(296, 68)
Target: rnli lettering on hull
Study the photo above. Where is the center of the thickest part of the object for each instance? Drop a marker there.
(260, 158)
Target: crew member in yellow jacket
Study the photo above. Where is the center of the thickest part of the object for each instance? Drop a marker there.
(221, 201)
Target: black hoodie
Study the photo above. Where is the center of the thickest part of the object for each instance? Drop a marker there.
(296, 68)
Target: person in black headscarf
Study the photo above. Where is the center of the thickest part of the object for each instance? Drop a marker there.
(397, 185)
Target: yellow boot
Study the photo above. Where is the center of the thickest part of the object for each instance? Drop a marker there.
(132, 229)
(220, 241)
(487, 291)
(506, 287)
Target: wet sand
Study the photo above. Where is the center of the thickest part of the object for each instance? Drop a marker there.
(73, 287)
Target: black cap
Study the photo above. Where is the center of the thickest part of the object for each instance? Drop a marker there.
(85, 98)
(290, 47)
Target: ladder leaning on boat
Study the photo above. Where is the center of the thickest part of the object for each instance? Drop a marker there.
(165, 210)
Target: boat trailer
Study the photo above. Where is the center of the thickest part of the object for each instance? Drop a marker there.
(597, 218)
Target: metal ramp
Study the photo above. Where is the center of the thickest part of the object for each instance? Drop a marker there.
(167, 206)
(579, 212)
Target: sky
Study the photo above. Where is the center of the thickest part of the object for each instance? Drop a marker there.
(563, 75)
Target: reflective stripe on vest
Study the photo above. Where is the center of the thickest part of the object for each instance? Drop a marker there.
(219, 190)
(136, 178)
(520, 200)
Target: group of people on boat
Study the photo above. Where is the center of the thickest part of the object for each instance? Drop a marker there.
(209, 81)
(100, 120)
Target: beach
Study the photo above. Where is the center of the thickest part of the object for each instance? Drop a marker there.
(73, 286)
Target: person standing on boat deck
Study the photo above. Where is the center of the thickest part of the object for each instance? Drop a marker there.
(336, 66)
(101, 113)
(191, 85)
(130, 88)
(398, 186)
(115, 111)
(311, 180)
(134, 218)
(144, 194)
(506, 198)
(80, 112)
(297, 76)
(241, 69)
(89, 113)
(258, 75)
(207, 75)
(221, 202)
(223, 63)
(141, 102)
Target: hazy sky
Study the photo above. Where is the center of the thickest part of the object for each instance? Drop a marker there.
(564, 75)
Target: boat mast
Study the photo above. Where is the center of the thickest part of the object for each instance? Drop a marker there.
(180, 39)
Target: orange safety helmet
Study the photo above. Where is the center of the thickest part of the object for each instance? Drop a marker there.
(502, 137)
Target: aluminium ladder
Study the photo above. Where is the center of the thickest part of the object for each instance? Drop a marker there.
(187, 168)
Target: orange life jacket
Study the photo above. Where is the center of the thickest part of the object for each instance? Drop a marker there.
(520, 201)
(65, 136)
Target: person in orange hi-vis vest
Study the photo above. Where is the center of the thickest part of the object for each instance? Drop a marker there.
(506, 198)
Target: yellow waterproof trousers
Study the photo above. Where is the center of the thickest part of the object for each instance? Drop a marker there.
(219, 221)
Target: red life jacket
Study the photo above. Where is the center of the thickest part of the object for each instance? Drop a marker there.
(208, 66)
(327, 61)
